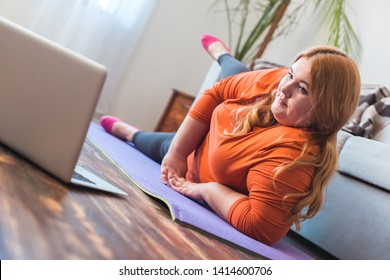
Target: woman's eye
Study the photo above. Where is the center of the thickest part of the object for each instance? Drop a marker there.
(302, 90)
(290, 75)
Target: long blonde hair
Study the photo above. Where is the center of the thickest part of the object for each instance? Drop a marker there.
(335, 87)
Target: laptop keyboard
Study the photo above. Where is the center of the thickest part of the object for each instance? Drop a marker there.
(78, 176)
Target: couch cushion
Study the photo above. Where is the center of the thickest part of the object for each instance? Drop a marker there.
(367, 160)
(354, 222)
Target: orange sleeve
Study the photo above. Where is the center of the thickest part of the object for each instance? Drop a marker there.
(264, 214)
(225, 89)
(234, 88)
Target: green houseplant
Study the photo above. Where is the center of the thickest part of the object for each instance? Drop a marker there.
(274, 18)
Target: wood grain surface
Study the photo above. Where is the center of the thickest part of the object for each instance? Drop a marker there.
(43, 218)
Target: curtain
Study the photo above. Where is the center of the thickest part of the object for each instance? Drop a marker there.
(106, 31)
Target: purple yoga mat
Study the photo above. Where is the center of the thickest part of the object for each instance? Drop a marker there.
(146, 175)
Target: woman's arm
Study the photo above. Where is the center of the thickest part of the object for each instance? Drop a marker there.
(219, 197)
(187, 139)
(264, 213)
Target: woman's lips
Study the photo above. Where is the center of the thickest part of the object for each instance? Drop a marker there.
(281, 101)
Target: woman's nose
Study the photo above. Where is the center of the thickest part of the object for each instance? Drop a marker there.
(287, 89)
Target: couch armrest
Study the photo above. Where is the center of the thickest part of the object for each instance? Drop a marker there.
(367, 160)
(342, 137)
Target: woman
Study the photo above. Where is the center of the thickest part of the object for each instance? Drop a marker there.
(258, 147)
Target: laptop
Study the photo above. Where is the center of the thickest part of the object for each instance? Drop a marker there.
(48, 96)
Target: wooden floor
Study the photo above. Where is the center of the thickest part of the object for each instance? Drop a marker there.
(43, 218)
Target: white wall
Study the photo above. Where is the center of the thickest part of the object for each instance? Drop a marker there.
(373, 19)
(19, 11)
(170, 55)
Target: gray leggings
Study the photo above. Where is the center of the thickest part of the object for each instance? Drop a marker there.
(155, 145)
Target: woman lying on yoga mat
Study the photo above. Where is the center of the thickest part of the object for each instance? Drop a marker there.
(258, 147)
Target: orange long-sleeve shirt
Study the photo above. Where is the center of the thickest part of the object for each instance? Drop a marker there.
(247, 163)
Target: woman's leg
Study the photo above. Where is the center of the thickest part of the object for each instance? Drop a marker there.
(230, 66)
(153, 144)
(219, 52)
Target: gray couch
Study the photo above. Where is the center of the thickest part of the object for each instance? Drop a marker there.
(354, 222)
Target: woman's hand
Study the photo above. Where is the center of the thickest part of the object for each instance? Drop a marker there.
(219, 197)
(187, 139)
(173, 164)
(187, 188)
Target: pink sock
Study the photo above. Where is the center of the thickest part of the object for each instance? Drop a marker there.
(207, 40)
(107, 122)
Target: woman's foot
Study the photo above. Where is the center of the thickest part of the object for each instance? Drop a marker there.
(118, 128)
(214, 46)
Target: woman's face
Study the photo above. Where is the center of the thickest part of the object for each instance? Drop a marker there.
(292, 103)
